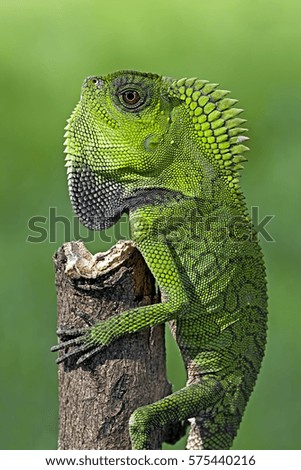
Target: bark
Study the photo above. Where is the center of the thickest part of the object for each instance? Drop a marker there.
(97, 398)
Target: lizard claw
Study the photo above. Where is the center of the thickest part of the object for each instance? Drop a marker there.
(66, 344)
(71, 331)
(84, 342)
(79, 350)
(79, 342)
(89, 354)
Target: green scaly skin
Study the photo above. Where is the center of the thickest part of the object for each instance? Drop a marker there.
(169, 152)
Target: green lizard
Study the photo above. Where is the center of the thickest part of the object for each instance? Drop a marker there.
(169, 152)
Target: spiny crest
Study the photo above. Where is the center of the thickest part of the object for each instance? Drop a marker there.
(217, 125)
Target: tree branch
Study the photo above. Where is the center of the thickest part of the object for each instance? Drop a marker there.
(96, 399)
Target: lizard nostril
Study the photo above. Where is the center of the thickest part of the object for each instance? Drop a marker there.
(94, 80)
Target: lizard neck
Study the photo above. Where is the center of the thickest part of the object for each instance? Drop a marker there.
(188, 170)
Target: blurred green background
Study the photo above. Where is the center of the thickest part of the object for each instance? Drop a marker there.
(46, 50)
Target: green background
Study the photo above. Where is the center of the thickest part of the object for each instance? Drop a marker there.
(46, 50)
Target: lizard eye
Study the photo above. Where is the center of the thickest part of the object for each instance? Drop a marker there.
(131, 99)
(130, 96)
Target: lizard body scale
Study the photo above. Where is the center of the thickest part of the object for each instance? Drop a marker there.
(169, 152)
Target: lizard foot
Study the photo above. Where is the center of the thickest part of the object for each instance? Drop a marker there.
(79, 339)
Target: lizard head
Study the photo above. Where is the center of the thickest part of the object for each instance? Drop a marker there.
(134, 131)
(112, 138)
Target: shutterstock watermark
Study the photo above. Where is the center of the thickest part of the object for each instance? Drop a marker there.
(54, 226)
(193, 226)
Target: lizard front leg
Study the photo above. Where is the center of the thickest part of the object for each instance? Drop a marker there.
(88, 341)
